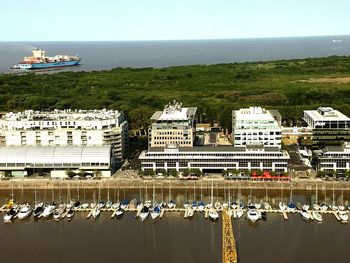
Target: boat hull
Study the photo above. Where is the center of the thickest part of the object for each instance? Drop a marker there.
(58, 64)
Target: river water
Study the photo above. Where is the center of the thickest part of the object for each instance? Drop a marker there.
(111, 54)
(172, 238)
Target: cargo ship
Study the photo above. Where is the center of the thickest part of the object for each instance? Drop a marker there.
(40, 61)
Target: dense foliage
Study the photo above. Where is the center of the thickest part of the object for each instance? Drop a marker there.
(215, 89)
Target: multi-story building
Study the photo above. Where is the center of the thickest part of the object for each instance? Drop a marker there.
(256, 126)
(65, 127)
(174, 125)
(334, 158)
(329, 126)
(215, 159)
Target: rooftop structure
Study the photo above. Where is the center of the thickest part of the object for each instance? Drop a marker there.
(326, 118)
(65, 127)
(174, 125)
(256, 126)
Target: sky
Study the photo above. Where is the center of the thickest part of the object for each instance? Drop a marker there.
(101, 20)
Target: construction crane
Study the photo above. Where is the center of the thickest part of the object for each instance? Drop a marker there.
(229, 251)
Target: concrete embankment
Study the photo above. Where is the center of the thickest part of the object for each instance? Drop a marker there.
(173, 184)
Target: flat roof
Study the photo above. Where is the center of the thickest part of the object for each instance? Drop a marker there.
(55, 154)
(217, 149)
(329, 114)
(175, 114)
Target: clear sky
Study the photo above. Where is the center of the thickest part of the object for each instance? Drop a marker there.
(68, 20)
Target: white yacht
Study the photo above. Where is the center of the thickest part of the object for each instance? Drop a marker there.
(190, 212)
(217, 205)
(24, 211)
(267, 206)
(49, 209)
(84, 206)
(306, 207)
(239, 212)
(253, 215)
(38, 209)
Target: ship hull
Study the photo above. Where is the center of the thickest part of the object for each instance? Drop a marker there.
(48, 65)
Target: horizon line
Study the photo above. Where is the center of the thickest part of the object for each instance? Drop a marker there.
(184, 39)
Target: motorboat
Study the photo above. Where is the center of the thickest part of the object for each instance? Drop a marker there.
(95, 213)
(316, 215)
(49, 209)
(344, 217)
(224, 205)
(144, 213)
(213, 214)
(38, 209)
(24, 211)
(252, 214)
(70, 214)
(155, 212)
(124, 205)
(201, 206)
(163, 204)
(171, 204)
(282, 206)
(305, 215)
(92, 205)
(11, 214)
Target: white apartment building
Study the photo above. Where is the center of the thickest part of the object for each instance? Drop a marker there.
(215, 159)
(65, 127)
(326, 118)
(174, 125)
(256, 126)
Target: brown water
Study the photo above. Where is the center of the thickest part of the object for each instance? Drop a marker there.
(172, 238)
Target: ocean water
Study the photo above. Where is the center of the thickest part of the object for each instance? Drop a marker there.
(108, 55)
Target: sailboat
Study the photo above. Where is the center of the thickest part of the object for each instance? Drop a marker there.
(213, 214)
(267, 206)
(316, 205)
(291, 206)
(239, 211)
(156, 209)
(217, 204)
(38, 207)
(201, 205)
(144, 213)
(341, 207)
(171, 203)
(109, 202)
(324, 207)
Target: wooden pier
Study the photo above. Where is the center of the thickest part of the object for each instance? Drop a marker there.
(229, 251)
